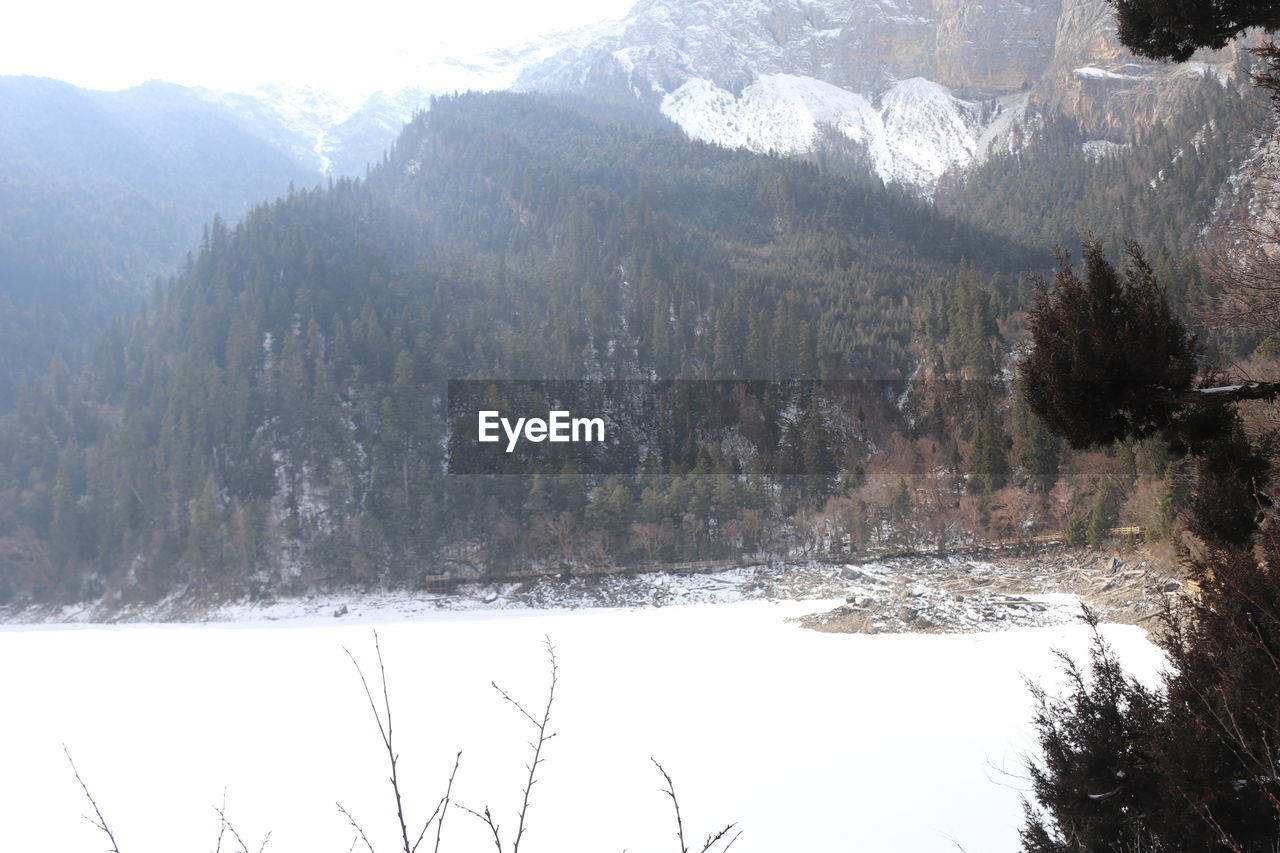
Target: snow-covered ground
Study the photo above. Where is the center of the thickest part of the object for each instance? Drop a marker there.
(811, 741)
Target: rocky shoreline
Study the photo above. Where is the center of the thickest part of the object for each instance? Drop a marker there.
(954, 594)
(958, 595)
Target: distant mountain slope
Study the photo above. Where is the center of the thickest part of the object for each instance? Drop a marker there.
(919, 87)
(343, 136)
(102, 191)
(1054, 182)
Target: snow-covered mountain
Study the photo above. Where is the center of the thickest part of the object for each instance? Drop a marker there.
(923, 85)
(920, 86)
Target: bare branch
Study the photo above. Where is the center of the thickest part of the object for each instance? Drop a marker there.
(670, 791)
(1224, 394)
(427, 825)
(713, 838)
(505, 695)
(226, 824)
(440, 809)
(222, 823)
(543, 737)
(386, 732)
(100, 822)
(537, 745)
(448, 794)
(356, 826)
(487, 819)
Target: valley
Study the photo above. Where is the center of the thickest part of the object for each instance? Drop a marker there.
(909, 372)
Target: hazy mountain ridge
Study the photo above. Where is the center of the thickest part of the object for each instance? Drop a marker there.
(100, 192)
(924, 86)
(343, 135)
(572, 233)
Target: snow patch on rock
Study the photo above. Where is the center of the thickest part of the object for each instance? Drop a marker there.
(1096, 149)
(1091, 72)
(918, 131)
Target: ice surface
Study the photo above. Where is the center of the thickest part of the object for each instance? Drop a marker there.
(812, 741)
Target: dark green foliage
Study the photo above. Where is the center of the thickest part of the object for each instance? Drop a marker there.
(1223, 715)
(1189, 767)
(1104, 515)
(1228, 500)
(989, 462)
(960, 332)
(1103, 349)
(1096, 786)
(902, 502)
(1192, 768)
(1038, 450)
(1077, 527)
(1171, 502)
(1175, 29)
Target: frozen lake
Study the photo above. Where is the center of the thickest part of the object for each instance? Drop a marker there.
(809, 741)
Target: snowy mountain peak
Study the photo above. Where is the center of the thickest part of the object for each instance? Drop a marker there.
(925, 85)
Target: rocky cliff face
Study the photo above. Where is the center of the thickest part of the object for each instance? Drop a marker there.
(965, 33)
(1096, 81)
(977, 49)
(924, 85)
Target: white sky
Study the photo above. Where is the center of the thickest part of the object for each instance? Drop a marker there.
(339, 45)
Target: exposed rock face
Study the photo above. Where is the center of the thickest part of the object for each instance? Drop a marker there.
(925, 85)
(860, 45)
(1095, 80)
(965, 33)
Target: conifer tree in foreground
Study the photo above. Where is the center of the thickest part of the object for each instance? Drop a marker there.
(1193, 766)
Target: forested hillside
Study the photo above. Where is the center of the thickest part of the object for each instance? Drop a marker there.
(295, 368)
(275, 419)
(1156, 184)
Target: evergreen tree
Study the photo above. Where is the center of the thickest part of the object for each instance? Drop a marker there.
(1105, 348)
(1175, 29)
(1125, 769)
(989, 460)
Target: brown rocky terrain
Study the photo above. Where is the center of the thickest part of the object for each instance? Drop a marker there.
(961, 595)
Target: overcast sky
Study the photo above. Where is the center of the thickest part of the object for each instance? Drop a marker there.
(344, 46)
